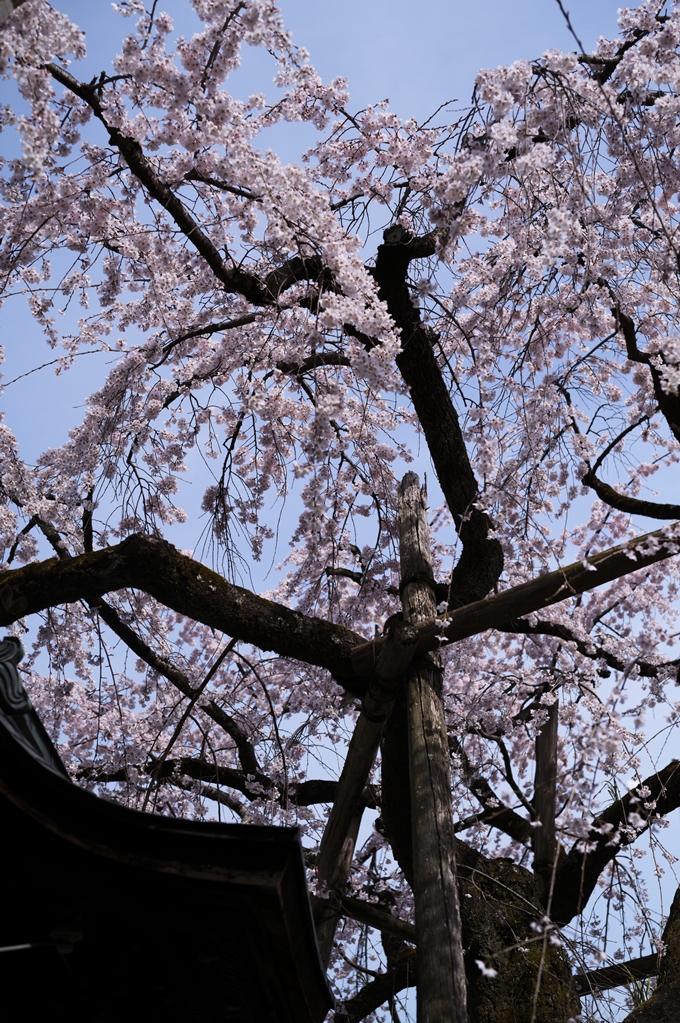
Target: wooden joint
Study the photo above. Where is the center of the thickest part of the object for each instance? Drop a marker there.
(417, 577)
(395, 656)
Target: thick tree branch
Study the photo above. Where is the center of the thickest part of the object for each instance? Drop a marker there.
(606, 66)
(630, 505)
(309, 793)
(495, 813)
(612, 830)
(183, 767)
(217, 795)
(189, 588)
(617, 976)
(481, 562)
(371, 915)
(668, 401)
(220, 796)
(305, 793)
(378, 991)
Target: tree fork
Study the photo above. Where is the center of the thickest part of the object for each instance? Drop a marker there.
(441, 971)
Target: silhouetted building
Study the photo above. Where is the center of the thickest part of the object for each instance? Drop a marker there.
(126, 916)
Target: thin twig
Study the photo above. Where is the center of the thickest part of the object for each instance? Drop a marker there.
(180, 724)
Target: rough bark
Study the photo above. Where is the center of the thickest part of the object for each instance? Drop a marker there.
(499, 611)
(157, 568)
(441, 975)
(492, 920)
(481, 562)
(499, 901)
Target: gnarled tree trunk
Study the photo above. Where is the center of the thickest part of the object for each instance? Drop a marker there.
(499, 901)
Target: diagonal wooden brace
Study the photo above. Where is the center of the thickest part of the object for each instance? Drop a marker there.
(339, 837)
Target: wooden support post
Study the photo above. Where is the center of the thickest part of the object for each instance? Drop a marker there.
(335, 872)
(340, 835)
(544, 838)
(441, 971)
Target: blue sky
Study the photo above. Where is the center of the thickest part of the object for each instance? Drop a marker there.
(415, 54)
(420, 54)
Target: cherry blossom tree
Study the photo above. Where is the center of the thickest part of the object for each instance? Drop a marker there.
(490, 297)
